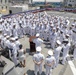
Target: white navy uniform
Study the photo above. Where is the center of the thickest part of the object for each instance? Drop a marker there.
(20, 31)
(17, 42)
(70, 32)
(65, 52)
(32, 31)
(38, 42)
(41, 31)
(61, 37)
(74, 36)
(53, 39)
(49, 60)
(1, 36)
(7, 43)
(38, 57)
(14, 32)
(3, 42)
(57, 54)
(37, 29)
(45, 34)
(14, 52)
(27, 30)
(74, 53)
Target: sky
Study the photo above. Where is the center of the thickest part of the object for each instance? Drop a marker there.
(48, 0)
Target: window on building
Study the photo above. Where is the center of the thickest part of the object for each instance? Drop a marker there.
(2, 7)
(70, 5)
(5, 1)
(6, 7)
(1, 1)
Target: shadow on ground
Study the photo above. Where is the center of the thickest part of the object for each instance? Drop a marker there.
(31, 72)
(27, 50)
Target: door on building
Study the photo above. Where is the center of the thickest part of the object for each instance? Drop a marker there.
(10, 11)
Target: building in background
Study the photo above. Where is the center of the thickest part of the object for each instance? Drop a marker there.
(18, 8)
(4, 7)
(70, 3)
(51, 3)
(18, 1)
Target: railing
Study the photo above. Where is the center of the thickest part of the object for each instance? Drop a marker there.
(63, 9)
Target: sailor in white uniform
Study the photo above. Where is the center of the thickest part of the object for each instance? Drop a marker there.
(70, 32)
(74, 53)
(38, 41)
(17, 42)
(53, 38)
(38, 60)
(57, 52)
(3, 41)
(14, 52)
(14, 31)
(20, 30)
(1, 36)
(46, 30)
(49, 63)
(7, 42)
(32, 31)
(66, 48)
(74, 35)
(37, 28)
(41, 31)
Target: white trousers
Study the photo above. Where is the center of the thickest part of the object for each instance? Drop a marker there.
(14, 58)
(74, 54)
(48, 71)
(38, 69)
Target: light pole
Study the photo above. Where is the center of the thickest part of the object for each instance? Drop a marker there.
(45, 4)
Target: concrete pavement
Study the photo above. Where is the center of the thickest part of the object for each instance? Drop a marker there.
(59, 70)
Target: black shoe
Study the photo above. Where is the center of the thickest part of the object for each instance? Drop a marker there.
(17, 65)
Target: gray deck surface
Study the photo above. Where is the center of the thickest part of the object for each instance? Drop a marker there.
(60, 70)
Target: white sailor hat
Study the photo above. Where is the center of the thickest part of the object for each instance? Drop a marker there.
(5, 34)
(0, 29)
(16, 38)
(58, 42)
(37, 35)
(38, 49)
(50, 52)
(57, 27)
(53, 28)
(7, 37)
(12, 39)
(51, 25)
(67, 35)
(61, 30)
(73, 24)
(65, 41)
